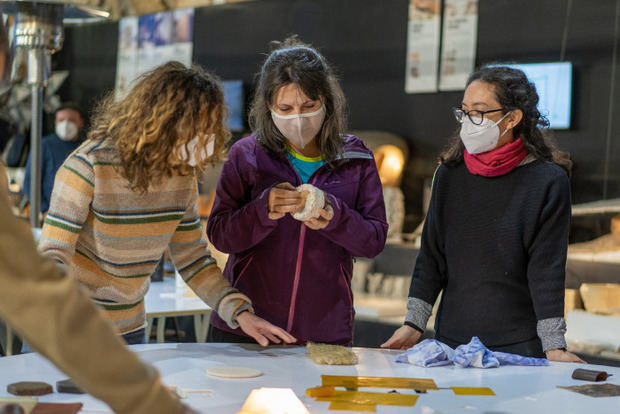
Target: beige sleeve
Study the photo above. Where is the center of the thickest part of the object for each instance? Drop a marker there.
(61, 323)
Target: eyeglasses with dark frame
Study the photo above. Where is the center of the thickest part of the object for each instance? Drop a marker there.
(476, 117)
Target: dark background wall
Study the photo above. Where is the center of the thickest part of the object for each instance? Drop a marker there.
(366, 41)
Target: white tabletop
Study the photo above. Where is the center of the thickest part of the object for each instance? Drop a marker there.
(166, 298)
(597, 207)
(518, 389)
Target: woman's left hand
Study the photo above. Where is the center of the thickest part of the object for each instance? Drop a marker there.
(560, 355)
(262, 331)
(325, 215)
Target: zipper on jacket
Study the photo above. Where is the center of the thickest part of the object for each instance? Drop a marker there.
(298, 260)
(300, 251)
(300, 248)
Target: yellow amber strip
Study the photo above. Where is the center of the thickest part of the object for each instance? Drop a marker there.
(472, 391)
(378, 382)
(321, 392)
(349, 406)
(373, 398)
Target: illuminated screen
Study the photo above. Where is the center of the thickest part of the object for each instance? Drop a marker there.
(235, 102)
(554, 85)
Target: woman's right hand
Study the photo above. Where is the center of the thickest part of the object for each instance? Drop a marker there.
(283, 198)
(403, 338)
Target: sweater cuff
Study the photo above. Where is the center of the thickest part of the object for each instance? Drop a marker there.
(411, 325)
(232, 305)
(551, 333)
(418, 313)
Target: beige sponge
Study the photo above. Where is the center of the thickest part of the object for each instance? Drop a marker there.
(313, 200)
(325, 354)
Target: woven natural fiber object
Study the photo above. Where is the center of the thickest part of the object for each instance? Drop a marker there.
(313, 199)
(325, 354)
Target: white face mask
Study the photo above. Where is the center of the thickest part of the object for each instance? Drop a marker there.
(300, 129)
(66, 130)
(188, 151)
(480, 138)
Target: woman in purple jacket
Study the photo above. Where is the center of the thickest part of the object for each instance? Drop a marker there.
(297, 273)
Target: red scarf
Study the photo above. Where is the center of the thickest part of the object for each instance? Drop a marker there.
(497, 162)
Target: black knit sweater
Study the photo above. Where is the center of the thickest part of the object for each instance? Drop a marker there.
(497, 248)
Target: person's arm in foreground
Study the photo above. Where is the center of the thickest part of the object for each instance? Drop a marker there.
(48, 309)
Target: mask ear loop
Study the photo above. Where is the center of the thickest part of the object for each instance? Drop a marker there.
(507, 129)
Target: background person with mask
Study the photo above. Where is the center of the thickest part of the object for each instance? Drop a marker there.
(55, 148)
(496, 231)
(297, 273)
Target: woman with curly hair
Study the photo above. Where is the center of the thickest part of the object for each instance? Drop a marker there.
(130, 192)
(496, 232)
(296, 267)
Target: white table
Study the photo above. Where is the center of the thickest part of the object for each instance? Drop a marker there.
(529, 390)
(168, 299)
(597, 207)
(164, 299)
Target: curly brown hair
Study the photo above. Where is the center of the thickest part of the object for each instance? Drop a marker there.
(162, 113)
(293, 61)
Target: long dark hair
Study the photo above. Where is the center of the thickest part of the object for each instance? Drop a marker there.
(295, 62)
(514, 91)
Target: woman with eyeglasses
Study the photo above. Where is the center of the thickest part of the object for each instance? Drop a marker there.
(496, 233)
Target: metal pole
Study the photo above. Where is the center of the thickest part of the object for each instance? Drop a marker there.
(37, 77)
(36, 127)
(38, 29)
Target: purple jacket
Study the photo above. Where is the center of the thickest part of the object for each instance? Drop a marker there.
(298, 279)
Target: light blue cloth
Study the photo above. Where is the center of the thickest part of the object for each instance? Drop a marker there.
(432, 353)
(513, 359)
(428, 353)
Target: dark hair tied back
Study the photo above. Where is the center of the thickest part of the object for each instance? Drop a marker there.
(514, 91)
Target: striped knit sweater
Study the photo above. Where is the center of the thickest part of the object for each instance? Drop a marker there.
(113, 237)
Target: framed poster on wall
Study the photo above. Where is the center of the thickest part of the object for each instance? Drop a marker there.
(423, 30)
(148, 41)
(459, 40)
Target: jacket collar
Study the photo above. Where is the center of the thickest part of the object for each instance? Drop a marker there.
(353, 148)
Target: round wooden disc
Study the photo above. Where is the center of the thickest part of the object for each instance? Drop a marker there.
(234, 372)
(29, 388)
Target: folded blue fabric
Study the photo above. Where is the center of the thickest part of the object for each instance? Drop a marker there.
(432, 353)
(428, 353)
(505, 358)
(474, 354)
